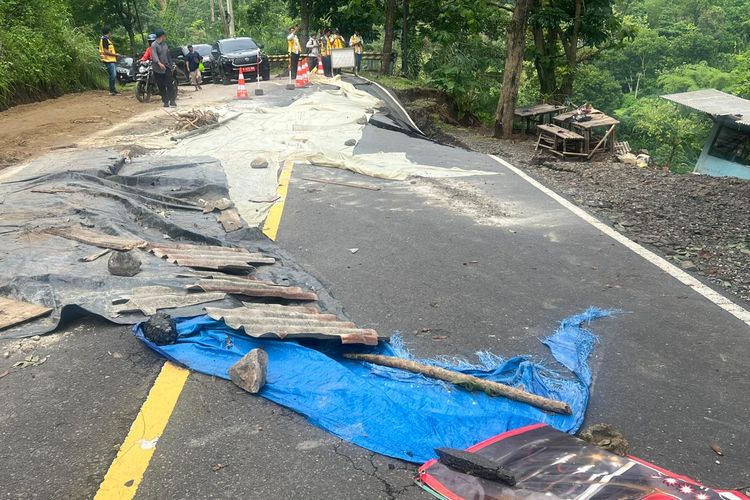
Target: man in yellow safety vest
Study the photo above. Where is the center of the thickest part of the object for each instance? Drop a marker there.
(326, 45)
(108, 56)
(294, 48)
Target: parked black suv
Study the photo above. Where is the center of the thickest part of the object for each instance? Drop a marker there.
(178, 57)
(231, 54)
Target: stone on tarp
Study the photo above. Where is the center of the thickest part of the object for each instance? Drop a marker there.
(160, 329)
(350, 142)
(124, 263)
(259, 163)
(249, 373)
(362, 120)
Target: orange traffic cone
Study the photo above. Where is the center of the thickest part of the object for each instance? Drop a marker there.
(321, 70)
(299, 82)
(306, 73)
(241, 90)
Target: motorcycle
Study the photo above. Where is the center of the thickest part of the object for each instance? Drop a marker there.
(145, 85)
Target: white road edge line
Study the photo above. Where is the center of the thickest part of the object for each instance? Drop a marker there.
(388, 93)
(712, 295)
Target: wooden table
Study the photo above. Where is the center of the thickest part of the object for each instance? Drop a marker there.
(557, 139)
(541, 110)
(586, 129)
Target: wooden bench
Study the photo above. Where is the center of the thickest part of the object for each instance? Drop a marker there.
(560, 141)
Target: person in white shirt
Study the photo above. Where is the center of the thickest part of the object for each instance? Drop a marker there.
(314, 49)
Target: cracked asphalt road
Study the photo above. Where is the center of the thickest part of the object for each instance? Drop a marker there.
(456, 266)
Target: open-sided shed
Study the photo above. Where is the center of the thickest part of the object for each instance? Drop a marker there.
(727, 149)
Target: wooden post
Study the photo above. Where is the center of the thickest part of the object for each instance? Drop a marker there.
(466, 381)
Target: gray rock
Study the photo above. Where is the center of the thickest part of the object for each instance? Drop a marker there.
(249, 373)
(259, 163)
(160, 329)
(124, 263)
(350, 142)
(362, 120)
(688, 265)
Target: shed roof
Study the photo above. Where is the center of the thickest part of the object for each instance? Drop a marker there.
(715, 103)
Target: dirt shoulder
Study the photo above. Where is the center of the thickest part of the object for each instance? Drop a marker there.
(700, 223)
(31, 130)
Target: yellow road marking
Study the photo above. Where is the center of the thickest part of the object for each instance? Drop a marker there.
(126, 472)
(273, 221)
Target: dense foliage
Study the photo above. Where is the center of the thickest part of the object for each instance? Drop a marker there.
(42, 54)
(620, 55)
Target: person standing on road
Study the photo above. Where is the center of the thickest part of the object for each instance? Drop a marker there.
(313, 46)
(163, 69)
(108, 56)
(294, 49)
(193, 60)
(358, 45)
(326, 44)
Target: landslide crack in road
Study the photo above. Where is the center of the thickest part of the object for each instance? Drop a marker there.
(392, 492)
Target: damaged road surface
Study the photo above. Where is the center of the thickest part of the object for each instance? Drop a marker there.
(457, 265)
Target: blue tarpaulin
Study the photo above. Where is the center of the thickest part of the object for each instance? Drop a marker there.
(389, 411)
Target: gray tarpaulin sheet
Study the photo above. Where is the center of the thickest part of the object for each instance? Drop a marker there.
(153, 198)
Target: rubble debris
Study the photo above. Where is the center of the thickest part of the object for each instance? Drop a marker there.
(277, 321)
(249, 373)
(160, 329)
(124, 264)
(5, 374)
(30, 360)
(149, 299)
(468, 382)
(345, 184)
(94, 256)
(259, 163)
(474, 465)
(252, 288)
(716, 448)
(210, 257)
(195, 118)
(97, 239)
(230, 220)
(14, 312)
(211, 205)
(217, 467)
(354, 250)
(607, 437)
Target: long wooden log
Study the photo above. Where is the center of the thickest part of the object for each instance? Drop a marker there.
(468, 382)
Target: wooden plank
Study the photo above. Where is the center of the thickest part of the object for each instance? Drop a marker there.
(97, 239)
(560, 132)
(14, 312)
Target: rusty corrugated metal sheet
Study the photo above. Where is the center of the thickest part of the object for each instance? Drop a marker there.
(253, 288)
(276, 321)
(210, 257)
(149, 299)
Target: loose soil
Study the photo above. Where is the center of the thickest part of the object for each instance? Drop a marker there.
(700, 223)
(31, 130)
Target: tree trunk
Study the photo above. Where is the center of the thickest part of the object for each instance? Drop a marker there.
(230, 17)
(305, 11)
(138, 21)
(405, 39)
(570, 45)
(515, 46)
(213, 11)
(544, 62)
(223, 15)
(390, 12)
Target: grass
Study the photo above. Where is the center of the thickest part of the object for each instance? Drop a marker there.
(395, 82)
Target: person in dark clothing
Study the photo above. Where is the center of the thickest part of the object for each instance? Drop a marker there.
(163, 69)
(193, 60)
